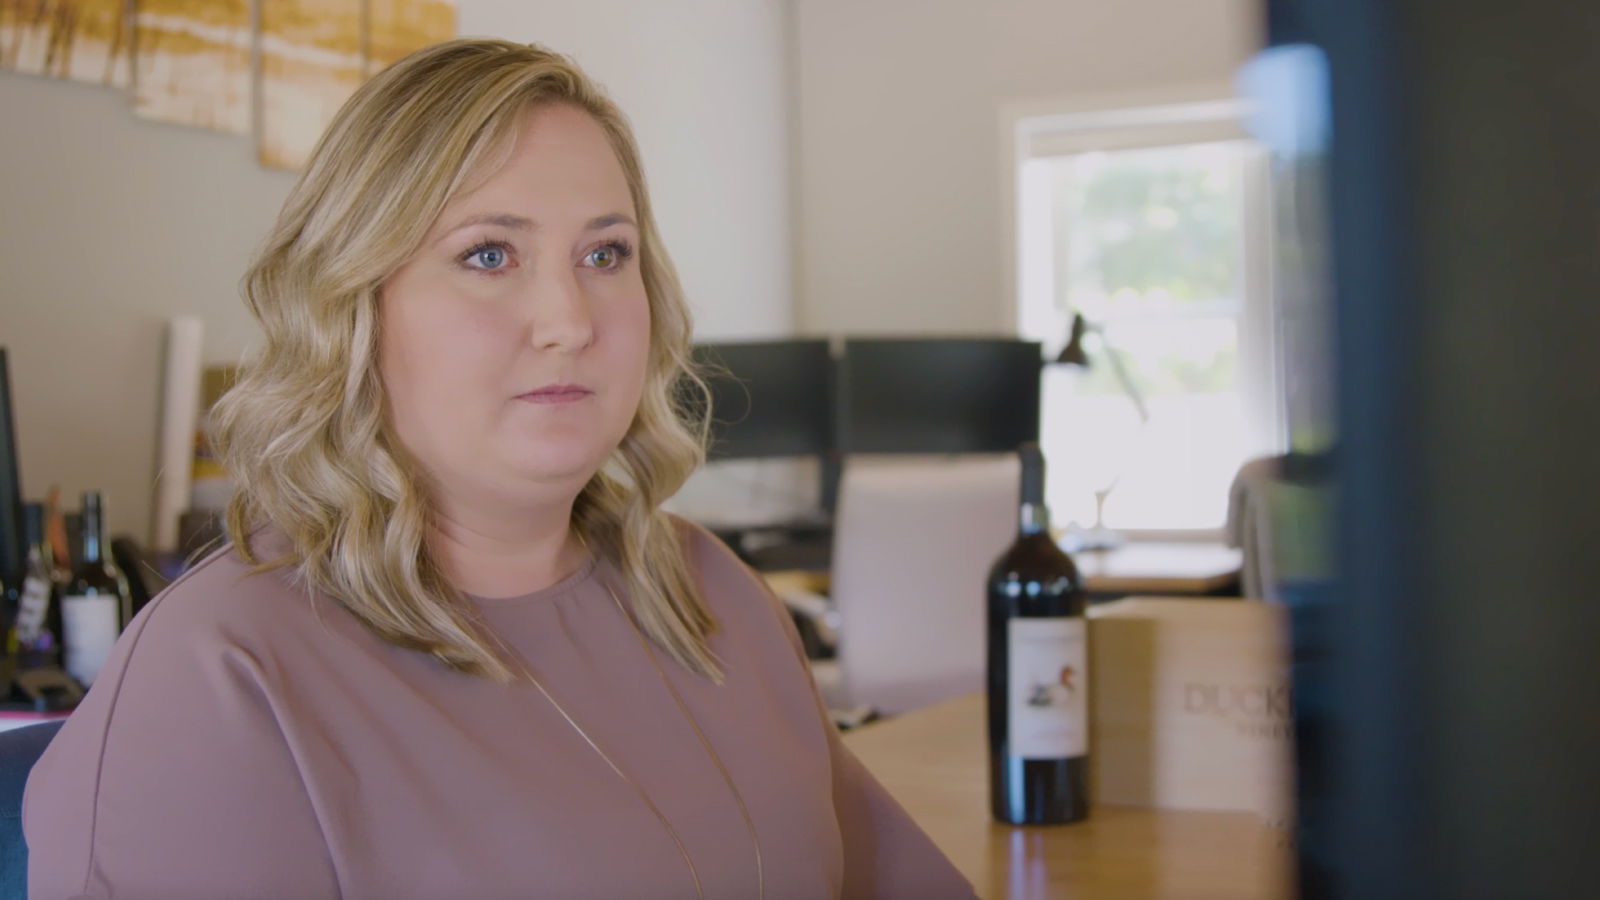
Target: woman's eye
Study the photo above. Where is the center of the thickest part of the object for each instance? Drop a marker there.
(487, 258)
(608, 257)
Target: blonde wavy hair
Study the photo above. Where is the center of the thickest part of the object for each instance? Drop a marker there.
(304, 433)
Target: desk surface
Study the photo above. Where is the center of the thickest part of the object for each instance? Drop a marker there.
(1143, 568)
(1159, 568)
(935, 762)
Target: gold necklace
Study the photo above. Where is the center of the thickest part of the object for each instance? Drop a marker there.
(761, 886)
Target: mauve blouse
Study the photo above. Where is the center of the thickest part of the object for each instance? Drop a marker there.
(248, 740)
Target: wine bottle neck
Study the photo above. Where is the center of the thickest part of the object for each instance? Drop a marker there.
(1035, 518)
(93, 532)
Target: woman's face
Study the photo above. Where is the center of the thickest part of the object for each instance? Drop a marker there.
(513, 344)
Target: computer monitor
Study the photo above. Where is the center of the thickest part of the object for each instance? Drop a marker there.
(769, 398)
(968, 395)
(11, 539)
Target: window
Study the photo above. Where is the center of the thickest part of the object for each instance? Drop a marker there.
(1154, 237)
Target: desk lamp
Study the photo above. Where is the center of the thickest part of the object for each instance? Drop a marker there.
(1099, 537)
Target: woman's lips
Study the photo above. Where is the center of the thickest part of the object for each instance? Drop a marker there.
(557, 394)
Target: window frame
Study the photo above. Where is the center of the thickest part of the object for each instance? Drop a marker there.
(1158, 117)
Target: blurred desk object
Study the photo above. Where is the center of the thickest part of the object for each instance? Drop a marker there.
(804, 545)
(935, 763)
(1160, 568)
(1168, 569)
(796, 580)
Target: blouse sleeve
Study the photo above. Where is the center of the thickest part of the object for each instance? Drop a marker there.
(172, 780)
(887, 856)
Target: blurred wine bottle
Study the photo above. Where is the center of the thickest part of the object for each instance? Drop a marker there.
(55, 532)
(35, 637)
(96, 603)
(1038, 671)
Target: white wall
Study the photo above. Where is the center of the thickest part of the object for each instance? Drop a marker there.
(898, 136)
(704, 84)
(108, 224)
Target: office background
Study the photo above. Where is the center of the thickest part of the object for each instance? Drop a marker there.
(819, 167)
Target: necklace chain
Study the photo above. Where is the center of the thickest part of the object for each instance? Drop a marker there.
(738, 798)
(761, 881)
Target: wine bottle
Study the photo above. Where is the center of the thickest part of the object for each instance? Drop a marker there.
(1038, 671)
(36, 634)
(96, 603)
(10, 605)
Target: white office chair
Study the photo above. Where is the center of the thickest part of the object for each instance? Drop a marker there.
(914, 538)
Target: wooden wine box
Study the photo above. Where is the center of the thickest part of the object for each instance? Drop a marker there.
(1190, 705)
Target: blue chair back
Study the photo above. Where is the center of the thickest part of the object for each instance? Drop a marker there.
(19, 750)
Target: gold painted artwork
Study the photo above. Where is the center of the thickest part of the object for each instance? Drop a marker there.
(80, 40)
(310, 64)
(188, 62)
(312, 61)
(192, 63)
(398, 27)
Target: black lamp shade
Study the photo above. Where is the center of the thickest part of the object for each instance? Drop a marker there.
(1072, 354)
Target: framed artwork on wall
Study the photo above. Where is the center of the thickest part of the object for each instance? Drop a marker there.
(277, 70)
(310, 64)
(78, 40)
(192, 63)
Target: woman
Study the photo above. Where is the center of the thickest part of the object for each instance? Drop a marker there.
(456, 650)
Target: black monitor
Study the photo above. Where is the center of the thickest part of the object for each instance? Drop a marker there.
(968, 395)
(11, 539)
(769, 398)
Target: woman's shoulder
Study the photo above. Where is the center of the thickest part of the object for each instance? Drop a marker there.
(723, 578)
(183, 717)
(224, 603)
(223, 592)
(707, 555)
(742, 602)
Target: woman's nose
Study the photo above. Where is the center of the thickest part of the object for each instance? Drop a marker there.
(561, 319)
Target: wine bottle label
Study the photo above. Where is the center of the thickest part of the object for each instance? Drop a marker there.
(91, 623)
(32, 609)
(1049, 686)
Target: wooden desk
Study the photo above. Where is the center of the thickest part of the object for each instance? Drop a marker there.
(1159, 568)
(1144, 568)
(935, 762)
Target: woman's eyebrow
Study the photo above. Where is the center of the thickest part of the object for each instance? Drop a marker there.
(608, 220)
(504, 220)
(523, 223)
